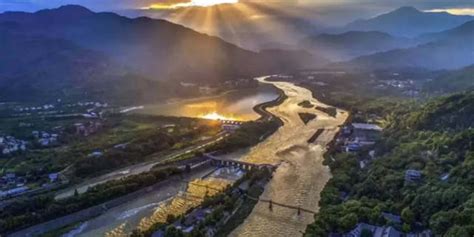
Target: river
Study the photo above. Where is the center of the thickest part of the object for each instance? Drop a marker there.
(233, 104)
(301, 176)
(237, 104)
(298, 180)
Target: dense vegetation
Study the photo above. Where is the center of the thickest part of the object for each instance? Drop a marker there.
(452, 81)
(138, 137)
(436, 139)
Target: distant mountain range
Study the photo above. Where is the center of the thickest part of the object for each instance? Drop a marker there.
(464, 31)
(449, 50)
(353, 44)
(72, 44)
(38, 68)
(408, 22)
(74, 51)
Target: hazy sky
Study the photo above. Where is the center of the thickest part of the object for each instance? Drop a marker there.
(337, 11)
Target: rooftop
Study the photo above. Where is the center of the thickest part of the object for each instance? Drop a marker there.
(366, 126)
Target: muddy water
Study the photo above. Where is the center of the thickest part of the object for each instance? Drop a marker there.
(301, 176)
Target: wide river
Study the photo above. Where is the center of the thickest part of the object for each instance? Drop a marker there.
(236, 104)
(298, 180)
(301, 176)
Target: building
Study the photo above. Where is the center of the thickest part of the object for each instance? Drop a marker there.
(53, 177)
(88, 128)
(391, 218)
(358, 136)
(381, 231)
(96, 154)
(412, 175)
(366, 132)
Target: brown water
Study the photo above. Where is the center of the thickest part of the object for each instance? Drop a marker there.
(301, 175)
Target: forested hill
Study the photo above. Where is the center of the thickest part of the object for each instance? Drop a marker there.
(451, 113)
(435, 139)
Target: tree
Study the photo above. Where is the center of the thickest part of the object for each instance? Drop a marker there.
(406, 227)
(441, 221)
(171, 231)
(457, 231)
(348, 221)
(408, 216)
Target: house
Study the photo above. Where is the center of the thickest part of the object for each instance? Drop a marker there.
(412, 175)
(366, 132)
(444, 177)
(381, 231)
(121, 146)
(88, 128)
(96, 154)
(353, 147)
(53, 177)
(195, 217)
(391, 218)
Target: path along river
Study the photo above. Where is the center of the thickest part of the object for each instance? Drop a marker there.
(301, 175)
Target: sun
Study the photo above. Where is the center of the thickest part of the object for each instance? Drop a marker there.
(191, 3)
(216, 116)
(207, 3)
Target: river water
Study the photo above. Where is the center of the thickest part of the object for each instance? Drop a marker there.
(236, 104)
(298, 180)
(154, 207)
(301, 176)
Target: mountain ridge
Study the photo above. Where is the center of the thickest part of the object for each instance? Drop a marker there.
(408, 22)
(352, 44)
(149, 46)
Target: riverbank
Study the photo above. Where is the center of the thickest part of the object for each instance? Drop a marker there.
(100, 209)
(261, 109)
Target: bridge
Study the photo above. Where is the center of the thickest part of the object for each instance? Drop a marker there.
(215, 161)
(270, 202)
(230, 125)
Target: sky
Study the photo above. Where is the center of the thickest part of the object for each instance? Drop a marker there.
(243, 21)
(464, 6)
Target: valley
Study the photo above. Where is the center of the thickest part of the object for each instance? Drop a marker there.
(212, 118)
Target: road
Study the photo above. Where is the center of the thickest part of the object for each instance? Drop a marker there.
(301, 176)
(137, 168)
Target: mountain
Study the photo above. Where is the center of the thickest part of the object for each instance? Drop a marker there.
(353, 43)
(38, 68)
(409, 22)
(155, 48)
(464, 31)
(452, 81)
(450, 49)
